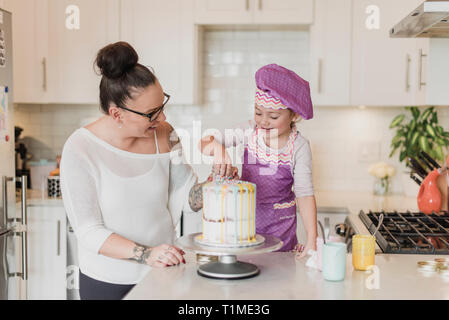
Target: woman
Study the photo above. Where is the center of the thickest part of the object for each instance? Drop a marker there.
(124, 183)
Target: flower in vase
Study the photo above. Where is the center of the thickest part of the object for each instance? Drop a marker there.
(383, 172)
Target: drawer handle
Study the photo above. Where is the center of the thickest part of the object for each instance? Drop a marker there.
(421, 56)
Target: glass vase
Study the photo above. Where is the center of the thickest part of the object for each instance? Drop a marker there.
(381, 186)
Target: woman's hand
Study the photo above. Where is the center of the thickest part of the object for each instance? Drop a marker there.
(165, 256)
(302, 251)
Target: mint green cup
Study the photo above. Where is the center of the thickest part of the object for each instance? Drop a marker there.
(334, 261)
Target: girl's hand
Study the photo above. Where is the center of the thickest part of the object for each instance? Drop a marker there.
(165, 256)
(222, 163)
(301, 251)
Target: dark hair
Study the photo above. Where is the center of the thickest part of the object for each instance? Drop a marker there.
(118, 64)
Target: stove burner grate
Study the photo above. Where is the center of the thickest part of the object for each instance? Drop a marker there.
(410, 232)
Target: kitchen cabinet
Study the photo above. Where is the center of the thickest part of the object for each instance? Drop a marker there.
(47, 253)
(330, 46)
(46, 34)
(254, 11)
(437, 88)
(165, 37)
(78, 29)
(283, 11)
(222, 12)
(30, 50)
(385, 71)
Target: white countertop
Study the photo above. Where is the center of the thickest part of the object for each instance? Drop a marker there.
(399, 277)
(283, 277)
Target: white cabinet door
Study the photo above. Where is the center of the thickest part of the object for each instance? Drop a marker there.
(283, 11)
(78, 29)
(47, 253)
(421, 77)
(437, 89)
(224, 12)
(383, 69)
(330, 37)
(30, 50)
(164, 36)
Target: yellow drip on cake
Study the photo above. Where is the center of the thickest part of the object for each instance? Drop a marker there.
(250, 212)
(227, 194)
(241, 212)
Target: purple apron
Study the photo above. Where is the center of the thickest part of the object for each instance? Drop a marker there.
(275, 200)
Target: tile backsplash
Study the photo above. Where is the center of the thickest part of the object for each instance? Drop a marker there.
(344, 140)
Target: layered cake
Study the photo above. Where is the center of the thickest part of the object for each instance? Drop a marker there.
(229, 213)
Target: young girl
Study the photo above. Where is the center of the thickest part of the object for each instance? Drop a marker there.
(277, 158)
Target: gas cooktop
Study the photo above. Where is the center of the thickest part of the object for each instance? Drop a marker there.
(410, 232)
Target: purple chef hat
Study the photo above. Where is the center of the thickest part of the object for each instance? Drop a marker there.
(287, 86)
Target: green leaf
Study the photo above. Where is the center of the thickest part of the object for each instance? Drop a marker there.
(414, 138)
(413, 125)
(434, 117)
(440, 141)
(397, 138)
(409, 138)
(439, 153)
(446, 134)
(393, 151)
(415, 112)
(440, 130)
(430, 130)
(423, 144)
(402, 156)
(426, 114)
(397, 121)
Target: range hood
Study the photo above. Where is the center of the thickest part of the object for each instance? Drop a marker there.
(429, 20)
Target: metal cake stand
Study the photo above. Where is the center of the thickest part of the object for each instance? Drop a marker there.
(228, 267)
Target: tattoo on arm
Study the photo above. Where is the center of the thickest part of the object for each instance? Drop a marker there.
(196, 197)
(141, 254)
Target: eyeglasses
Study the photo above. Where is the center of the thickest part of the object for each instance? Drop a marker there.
(153, 115)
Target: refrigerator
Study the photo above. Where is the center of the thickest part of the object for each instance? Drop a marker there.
(13, 218)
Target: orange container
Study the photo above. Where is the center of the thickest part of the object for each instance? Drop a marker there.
(363, 251)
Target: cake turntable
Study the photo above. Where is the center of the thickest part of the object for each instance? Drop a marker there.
(227, 266)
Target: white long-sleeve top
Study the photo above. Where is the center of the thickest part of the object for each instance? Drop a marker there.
(107, 190)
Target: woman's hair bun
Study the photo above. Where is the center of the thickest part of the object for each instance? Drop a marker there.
(116, 59)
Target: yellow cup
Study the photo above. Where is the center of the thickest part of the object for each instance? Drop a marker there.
(363, 248)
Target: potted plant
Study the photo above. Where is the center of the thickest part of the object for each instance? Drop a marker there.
(419, 131)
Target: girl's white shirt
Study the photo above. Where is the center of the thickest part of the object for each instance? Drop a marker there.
(301, 161)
